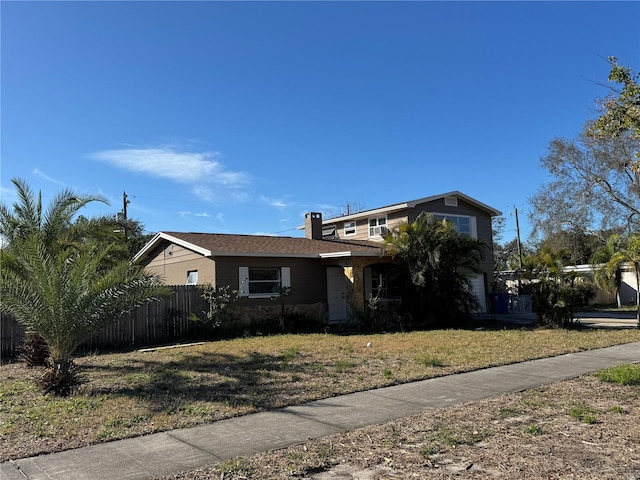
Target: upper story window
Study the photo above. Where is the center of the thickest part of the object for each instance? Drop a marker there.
(377, 226)
(192, 277)
(349, 228)
(462, 224)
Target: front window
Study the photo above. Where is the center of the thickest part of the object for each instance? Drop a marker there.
(377, 226)
(461, 224)
(349, 229)
(264, 280)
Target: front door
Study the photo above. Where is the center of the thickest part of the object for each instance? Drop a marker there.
(337, 294)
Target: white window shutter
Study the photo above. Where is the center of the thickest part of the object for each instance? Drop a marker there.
(474, 228)
(368, 289)
(285, 273)
(243, 281)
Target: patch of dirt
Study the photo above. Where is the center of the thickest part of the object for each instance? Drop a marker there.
(579, 429)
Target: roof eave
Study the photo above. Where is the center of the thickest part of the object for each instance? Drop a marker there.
(411, 204)
(160, 236)
(264, 254)
(348, 254)
(375, 211)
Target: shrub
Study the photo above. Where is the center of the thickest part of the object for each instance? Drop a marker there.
(551, 303)
(221, 300)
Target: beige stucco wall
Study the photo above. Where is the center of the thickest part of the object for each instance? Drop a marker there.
(172, 262)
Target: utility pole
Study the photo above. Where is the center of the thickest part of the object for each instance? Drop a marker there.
(517, 239)
(125, 202)
(519, 273)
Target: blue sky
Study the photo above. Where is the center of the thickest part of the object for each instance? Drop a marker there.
(239, 117)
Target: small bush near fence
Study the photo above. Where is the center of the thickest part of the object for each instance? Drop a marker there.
(170, 320)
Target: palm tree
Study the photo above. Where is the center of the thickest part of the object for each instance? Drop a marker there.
(54, 226)
(629, 253)
(69, 295)
(62, 278)
(608, 274)
(551, 287)
(439, 261)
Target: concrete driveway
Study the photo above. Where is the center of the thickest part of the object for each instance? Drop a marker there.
(607, 319)
(589, 319)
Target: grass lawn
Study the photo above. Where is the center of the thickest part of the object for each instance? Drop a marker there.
(135, 393)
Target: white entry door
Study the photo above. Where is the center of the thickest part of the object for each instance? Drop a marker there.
(336, 294)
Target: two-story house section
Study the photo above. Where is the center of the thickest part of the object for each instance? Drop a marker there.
(470, 217)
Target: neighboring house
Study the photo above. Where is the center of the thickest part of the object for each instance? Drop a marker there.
(522, 303)
(339, 264)
(628, 284)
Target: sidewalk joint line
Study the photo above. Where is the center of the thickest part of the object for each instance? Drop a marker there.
(170, 434)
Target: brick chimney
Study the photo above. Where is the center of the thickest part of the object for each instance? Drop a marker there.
(313, 225)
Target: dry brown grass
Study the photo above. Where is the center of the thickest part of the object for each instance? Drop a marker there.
(531, 435)
(130, 394)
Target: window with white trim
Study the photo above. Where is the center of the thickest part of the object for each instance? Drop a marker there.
(349, 228)
(263, 282)
(192, 277)
(377, 226)
(463, 224)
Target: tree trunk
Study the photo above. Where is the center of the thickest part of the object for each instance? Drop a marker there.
(61, 377)
(637, 268)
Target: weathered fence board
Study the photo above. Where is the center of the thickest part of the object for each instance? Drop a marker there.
(11, 334)
(150, 324)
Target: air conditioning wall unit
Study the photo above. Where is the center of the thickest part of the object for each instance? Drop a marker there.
(381, 230)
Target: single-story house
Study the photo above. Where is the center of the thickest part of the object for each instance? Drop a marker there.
(338, 265)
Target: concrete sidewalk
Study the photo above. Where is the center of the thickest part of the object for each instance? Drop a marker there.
(178, 450)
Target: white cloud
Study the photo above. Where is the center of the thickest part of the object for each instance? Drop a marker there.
(6, 193)
(41, 174)
(209, 178)
(186, 213)
(275, 202)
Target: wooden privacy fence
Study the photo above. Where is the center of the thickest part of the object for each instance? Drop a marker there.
(150, 324)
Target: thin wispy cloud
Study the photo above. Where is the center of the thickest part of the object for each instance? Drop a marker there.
(41, 174)
(210, 180)
(7, 193)
(275, 202)
(186, 213)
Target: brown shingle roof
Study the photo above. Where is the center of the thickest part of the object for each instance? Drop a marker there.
(232, 244)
